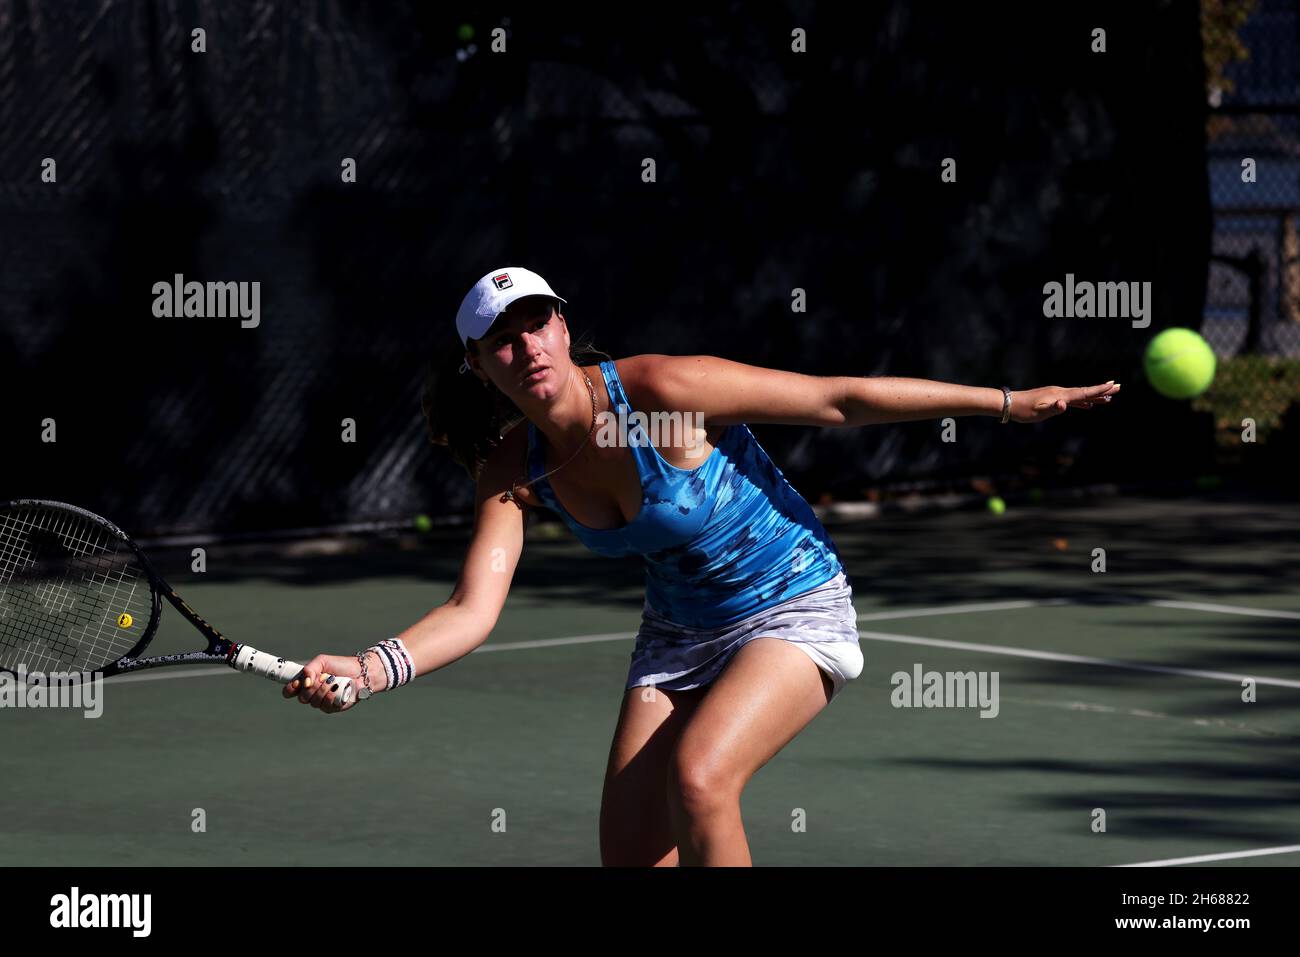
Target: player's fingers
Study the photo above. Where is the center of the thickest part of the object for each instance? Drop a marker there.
(306, 681)
(320, 687)
(294, 686)
(1092, 391)
(309, 684)
(330, 703)
(326, 696)
(1082, 393)
(1096, 395)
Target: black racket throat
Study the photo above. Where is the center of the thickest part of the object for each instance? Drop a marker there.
(219, 647)
(220, 650)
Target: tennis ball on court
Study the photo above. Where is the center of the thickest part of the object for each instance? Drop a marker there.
(124, 620)
(996, 505)
(423, 523)
(465, 33)
(548, 531)
(1179, 364)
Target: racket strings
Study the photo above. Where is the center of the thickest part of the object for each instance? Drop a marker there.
(65, 582)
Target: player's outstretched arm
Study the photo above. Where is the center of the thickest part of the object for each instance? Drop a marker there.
(726, 392)
(876, 400)
(464, 621)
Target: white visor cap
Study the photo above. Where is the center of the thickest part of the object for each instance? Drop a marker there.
(492, 294)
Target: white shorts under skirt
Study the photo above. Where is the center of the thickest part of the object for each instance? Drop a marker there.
(822, 622)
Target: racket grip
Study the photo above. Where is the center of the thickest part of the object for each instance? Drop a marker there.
(282, 670)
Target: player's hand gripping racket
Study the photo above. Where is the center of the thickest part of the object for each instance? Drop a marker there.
(76, 594)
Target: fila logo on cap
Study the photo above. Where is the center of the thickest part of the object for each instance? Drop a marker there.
(493, 294)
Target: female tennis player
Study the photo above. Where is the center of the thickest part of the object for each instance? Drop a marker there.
(748, 629)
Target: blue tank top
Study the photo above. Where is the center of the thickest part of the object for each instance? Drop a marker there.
(721, 541)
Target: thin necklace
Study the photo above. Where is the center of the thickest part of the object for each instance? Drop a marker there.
(510, 495)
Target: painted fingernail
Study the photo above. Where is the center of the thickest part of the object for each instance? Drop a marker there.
(309, 681)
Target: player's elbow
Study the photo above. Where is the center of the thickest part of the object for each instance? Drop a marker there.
(478, 615)
(835, 402)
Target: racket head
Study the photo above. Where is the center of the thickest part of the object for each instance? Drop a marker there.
(66, 577)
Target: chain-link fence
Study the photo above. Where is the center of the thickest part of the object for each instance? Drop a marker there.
(1252, 309)
(777, 171)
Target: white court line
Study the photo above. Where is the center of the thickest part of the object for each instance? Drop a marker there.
(1229, 609)
(873, 616)
(1231, 855)
(960, 609)
(1076, 659)
(548, 642)
(165, 674)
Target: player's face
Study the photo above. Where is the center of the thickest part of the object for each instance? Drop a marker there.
(527, 350)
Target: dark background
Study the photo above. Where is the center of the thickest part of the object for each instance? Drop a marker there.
(776, 170)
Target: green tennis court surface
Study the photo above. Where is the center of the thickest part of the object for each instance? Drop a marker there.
(1150, 727)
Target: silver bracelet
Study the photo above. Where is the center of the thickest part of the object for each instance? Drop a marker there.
(366, 691)
(1006, 405)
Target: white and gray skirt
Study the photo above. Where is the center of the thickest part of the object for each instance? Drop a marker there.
(822, 622)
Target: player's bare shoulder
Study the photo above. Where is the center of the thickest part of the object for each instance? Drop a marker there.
(641, 369)
(654, 382)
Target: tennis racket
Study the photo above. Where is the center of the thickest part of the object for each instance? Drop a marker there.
(77, 595)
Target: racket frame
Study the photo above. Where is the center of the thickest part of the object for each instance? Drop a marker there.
(220, 650)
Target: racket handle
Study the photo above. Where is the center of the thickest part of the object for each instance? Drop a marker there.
(282, 670)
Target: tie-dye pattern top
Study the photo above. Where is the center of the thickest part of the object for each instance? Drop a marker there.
(722, 541)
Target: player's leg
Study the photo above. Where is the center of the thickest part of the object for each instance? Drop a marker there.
(765, 695)
(634, 827)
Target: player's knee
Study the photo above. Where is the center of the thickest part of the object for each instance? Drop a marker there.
(699, 782)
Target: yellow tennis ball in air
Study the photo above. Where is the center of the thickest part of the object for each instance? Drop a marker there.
(124, 620)
(1179, 364)
(996, 505)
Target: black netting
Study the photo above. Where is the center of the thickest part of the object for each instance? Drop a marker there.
(776, 171)
(1252, 308)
